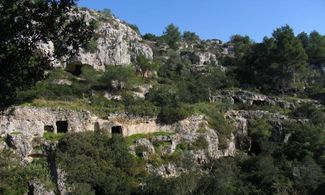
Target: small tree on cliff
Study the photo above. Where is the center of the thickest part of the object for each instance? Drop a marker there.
(172, 36)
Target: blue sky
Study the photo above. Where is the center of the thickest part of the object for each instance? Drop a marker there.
(218, 18)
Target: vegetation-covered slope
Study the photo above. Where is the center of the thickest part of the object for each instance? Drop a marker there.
(277, 139)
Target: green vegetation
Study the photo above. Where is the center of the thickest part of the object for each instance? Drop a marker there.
(172, 36)
(53, 136)
(259, 129)
(14, 177)
(131, 139)
(91, 46)
(144, 65)
(21, 66)
(282, 157)
(99, 163)
(190, 36)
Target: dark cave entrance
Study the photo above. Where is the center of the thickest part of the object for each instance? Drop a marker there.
(117, 130)
(49, 128)
(74, 69)
(30, 190)
(260, 103)
(62, 126)
(237, 100)
(255, 148)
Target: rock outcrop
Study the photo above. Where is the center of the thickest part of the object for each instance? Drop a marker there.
(37, 188)
(249, 98)
(117, 44)
(34, 121)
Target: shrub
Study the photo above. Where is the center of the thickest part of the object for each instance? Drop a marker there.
(117, 78)
(259, 129)
(200, 143)
(318, 118)
(140, 108)
(303, 111)
(92, 45)
(218, 122)
(172, 114)
(135, 28)
(150, 37)
(99, 161)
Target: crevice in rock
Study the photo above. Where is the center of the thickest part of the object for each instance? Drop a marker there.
(255, 148)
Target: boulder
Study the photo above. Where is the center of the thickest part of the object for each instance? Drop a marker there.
(144, 148)
(37, 188)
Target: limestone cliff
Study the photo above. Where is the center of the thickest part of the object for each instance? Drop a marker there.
(116, 43)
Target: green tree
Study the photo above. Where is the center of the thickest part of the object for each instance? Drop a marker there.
(12, 176)
(304, 38)
(316, 48)
(278, 63)
(98, 163)
(190, 36)
(150, 37)
(117, 78)
(289, 57)
(144, 66)
(172, 36)
(241, 45)
(25, 23)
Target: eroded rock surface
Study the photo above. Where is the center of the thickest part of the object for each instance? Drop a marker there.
(117, 44)
(35, 121)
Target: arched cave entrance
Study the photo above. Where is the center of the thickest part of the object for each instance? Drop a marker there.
(117, 130)
(62, 126)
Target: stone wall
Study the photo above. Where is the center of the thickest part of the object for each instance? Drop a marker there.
(32, 120)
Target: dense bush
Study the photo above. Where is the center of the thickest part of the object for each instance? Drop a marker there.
(138, 107)
(309, 111)
(118, 78)
(101, 164)
(259, 129)
(14, 177)
(173, 113)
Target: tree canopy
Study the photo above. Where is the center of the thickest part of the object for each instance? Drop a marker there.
(172, 36)
(24, 24)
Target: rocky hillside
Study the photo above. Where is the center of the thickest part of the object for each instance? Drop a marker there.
(114, 43)
(132, 114)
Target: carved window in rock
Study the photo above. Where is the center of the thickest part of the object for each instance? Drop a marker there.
(62, 126)
(117, 130)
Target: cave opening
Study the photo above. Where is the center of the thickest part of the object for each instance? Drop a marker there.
(260, 103)
(255, 148)
(236, 100)
(31, 190)
(62, 126)
(117, 130)
(49, 128)
(74, 69)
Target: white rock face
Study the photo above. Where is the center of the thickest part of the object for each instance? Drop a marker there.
(118, 44)
(34, 121)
